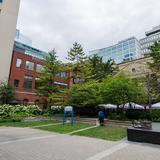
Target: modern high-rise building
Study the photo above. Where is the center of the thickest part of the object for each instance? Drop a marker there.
(151, 36)
(125, 50)
(8, 20)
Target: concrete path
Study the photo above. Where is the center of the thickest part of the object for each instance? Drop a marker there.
(33, 144)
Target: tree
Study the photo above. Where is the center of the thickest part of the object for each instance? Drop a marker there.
(153, 79)
(155, 54)
(77, 57)
(76, 54)
(99, 70)
(120, 90)
(7, 94)
(87, 94)
(46, 79)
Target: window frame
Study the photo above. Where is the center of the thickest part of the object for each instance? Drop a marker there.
(28, 68)
(20, 64)
(30, 83)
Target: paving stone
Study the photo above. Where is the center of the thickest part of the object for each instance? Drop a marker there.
(33, 144)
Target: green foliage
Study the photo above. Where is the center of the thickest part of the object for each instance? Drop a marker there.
(152, 115)
(6, 93)
(153, 80)
(100, 70)
(60, 98)
(46, 79)
(120, 90)
(137, 114)
(87, 94)
(11, 112)
(155, 54)
(115, 90)
(76, 54)
(77, 57)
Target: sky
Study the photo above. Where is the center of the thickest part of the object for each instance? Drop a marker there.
(92, 23)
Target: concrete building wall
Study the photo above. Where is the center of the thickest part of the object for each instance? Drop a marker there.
(8, 20)
(136, 68)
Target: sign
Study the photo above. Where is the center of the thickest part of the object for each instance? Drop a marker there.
(68, 109)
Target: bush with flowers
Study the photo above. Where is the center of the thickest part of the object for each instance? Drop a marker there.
(18, 111)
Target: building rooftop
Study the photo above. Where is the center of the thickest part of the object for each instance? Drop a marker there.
(23, 48)
(153, 31)
(119, 42)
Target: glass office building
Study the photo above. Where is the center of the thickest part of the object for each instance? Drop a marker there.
(125, 50)
(151, 36)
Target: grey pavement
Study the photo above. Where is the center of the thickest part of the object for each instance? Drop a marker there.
(33, 144)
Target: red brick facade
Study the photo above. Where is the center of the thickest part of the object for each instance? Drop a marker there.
(18, 73)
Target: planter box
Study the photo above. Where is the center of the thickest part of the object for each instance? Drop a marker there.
(143, 135)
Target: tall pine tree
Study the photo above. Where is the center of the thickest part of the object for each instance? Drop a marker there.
(76, 54)
(46, 81)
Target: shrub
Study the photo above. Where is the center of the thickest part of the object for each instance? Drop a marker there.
(18, 111)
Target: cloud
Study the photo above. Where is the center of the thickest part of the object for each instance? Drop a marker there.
(93, 23)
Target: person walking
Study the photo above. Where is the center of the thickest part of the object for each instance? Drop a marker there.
(101, 117)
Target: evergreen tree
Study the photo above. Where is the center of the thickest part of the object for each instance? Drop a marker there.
(155, 54)
(46, 80)
(100, 70)
(76, 54)
(153, 80)
(77, 57)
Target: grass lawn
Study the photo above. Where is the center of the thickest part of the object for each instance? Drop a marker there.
(26, 124)
(64, 129)
(106, 133)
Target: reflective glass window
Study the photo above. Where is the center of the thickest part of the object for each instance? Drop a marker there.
(19, 62)
(29, 65)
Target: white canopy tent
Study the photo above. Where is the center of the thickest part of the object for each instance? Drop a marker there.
(131, 105)
(108, 106)
(156, 106)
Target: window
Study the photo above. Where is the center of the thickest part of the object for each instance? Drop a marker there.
(127, 55)
(78, 80)
(39, 68)
(28, 82)
(18, 63)
(16, 83)
(62, 74)
(38, 83)
(29, 65)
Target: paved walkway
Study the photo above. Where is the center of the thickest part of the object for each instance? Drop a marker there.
(33, 144)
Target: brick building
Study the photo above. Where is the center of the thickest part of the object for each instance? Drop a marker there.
(26, 63)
